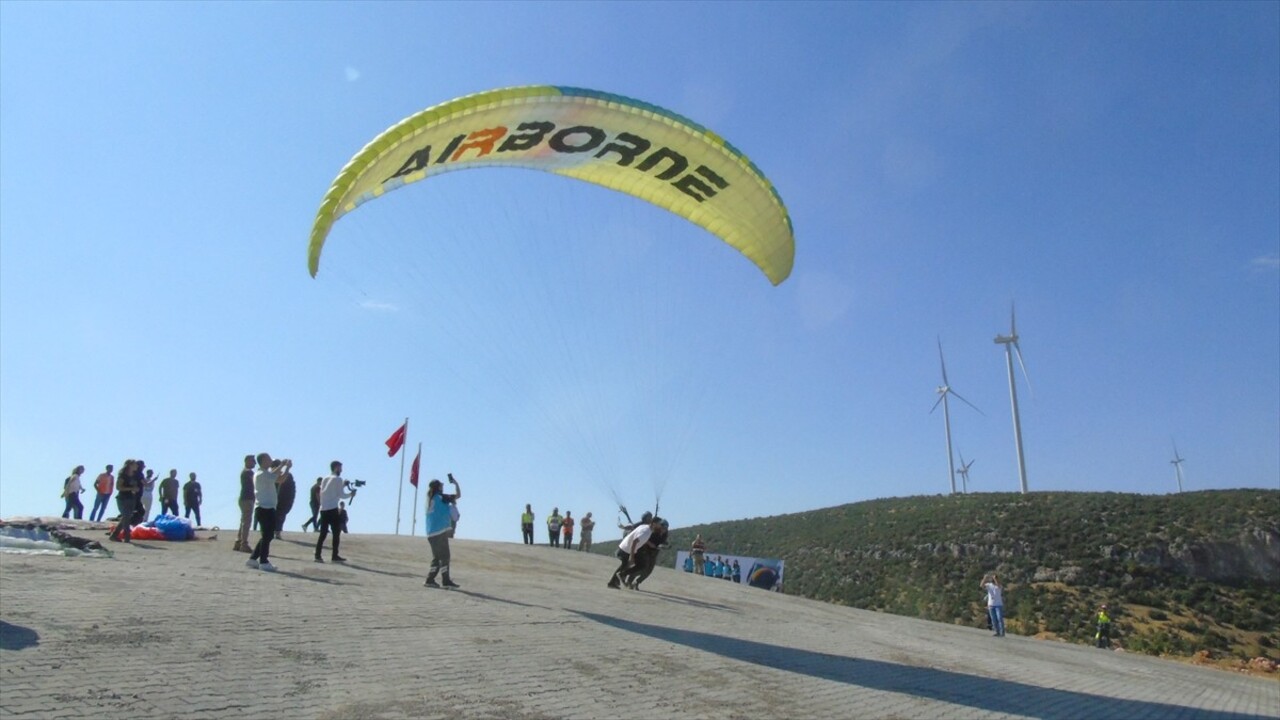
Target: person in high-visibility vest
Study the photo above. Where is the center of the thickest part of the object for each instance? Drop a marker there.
(526, 524)
(1103, 636)
(553, 526)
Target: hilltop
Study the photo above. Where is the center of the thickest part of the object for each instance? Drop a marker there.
(1193, 575)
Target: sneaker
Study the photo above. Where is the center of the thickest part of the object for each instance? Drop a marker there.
(251, 563)
(450, 584)
(319, 559)
(431, 582)
(267, 567)
(338, 559)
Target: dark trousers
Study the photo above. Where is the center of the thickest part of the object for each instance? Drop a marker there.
(568, 541)
(646, 561)
(313, 521)
(99, 507)
(73, 505)
(169, 507)
(623, 569)
(194, 509)
(127, 505)
(266, 518)
(330, 521)
(526, 529)
(280, 516)
(555, 537)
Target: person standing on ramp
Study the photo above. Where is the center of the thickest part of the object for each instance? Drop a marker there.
(439, 528)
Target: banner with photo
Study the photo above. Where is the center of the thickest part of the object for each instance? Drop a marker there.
(764, 573)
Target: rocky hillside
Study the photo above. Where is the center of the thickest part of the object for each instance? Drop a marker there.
(1186, 575)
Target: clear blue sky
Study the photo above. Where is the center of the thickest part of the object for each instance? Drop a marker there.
(1114, 168)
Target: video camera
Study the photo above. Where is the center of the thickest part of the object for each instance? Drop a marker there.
(354, 483)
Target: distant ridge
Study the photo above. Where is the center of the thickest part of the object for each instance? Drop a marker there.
(1190, 574)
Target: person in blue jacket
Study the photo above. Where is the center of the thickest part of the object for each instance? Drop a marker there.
(439, 528)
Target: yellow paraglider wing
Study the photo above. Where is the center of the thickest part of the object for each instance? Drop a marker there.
(609, 140)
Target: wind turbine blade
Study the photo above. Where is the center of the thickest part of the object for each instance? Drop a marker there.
(942, 362)
(1013, 319)
(1018, 350)
(966, 402)
(939, 402)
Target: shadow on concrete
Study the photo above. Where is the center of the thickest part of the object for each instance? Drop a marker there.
(16, 637)
(993, 695)
(688, 601)
(364, 568)
(482, 596)
(308, 578)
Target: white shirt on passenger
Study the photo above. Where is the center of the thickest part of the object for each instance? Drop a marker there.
(635, 539)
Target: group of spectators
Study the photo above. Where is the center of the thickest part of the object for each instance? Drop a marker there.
(134, 489)
(720, 569)
(266, 497)
(558, 526)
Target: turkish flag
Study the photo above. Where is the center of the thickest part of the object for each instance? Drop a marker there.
(396, 441)
(413, 471)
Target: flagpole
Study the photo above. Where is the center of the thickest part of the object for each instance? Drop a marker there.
(414, 529)
(400, 495)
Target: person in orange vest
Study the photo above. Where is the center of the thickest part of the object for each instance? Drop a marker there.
(104, 485)
(566, 526)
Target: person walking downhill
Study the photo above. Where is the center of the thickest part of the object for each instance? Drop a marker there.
(128, 485)
(71, 489)
(192, 496)
(333, 490)
(246, 505)
(314, 501)
(439, 528)
(995, 603)
(526, 524)
(266, 496)
(104, 485)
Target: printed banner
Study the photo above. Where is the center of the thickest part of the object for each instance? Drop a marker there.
(763, 573)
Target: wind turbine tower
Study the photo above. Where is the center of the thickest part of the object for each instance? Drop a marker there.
(1010, 343)
(964, 473)
(943, 391)
(1177, 466)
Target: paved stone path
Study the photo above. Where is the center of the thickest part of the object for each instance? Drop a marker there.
(185, 630)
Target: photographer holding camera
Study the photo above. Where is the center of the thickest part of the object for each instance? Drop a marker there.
(333, 489)
(439, 528)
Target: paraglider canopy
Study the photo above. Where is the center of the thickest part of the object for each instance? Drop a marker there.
(617, 142)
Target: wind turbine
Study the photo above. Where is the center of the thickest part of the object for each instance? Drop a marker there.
(1010, 343)
(943, 391)
(963, 472)
(1176, 462)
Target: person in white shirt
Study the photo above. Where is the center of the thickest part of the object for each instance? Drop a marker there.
(995, 603)
(71, 489)
(333, 490)
(264, 511)
(628, 548)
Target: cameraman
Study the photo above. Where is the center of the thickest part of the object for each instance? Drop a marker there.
(333, 489)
